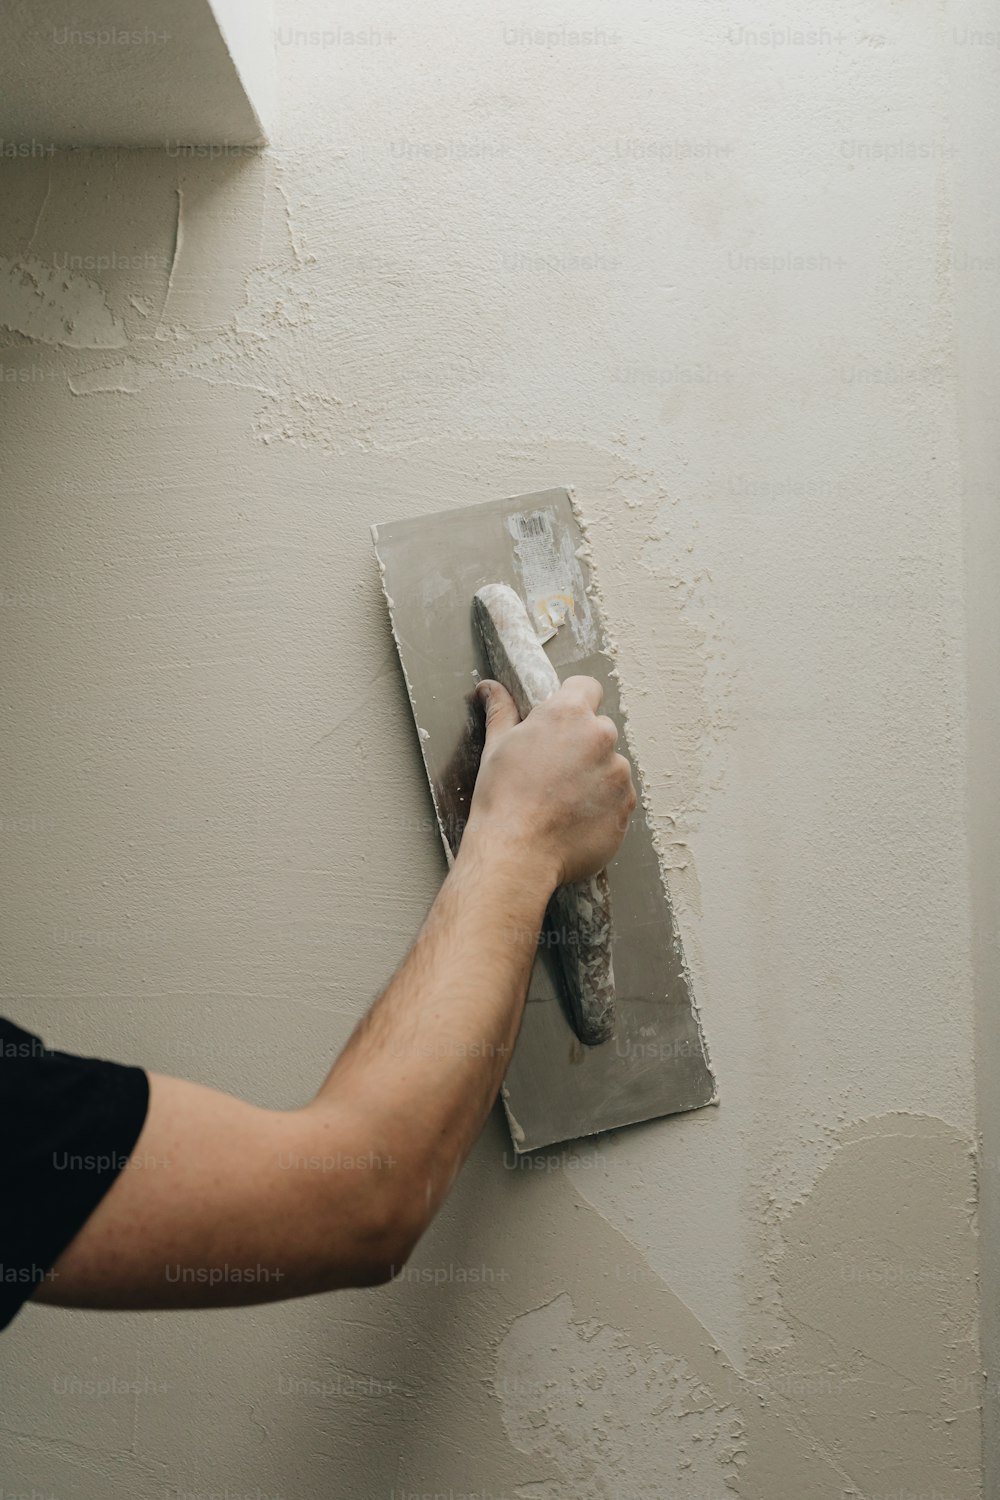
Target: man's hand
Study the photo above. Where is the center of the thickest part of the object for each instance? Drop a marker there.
(553, 791)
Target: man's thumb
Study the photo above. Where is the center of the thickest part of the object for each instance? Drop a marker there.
(501, 710)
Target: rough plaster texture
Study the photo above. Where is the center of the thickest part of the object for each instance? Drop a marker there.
(715, 283)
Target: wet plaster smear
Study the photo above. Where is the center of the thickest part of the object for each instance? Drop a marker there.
(486, 258)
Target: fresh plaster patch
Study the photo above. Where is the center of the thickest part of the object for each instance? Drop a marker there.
(876, 1278)
(610, 1418)
(56, 307)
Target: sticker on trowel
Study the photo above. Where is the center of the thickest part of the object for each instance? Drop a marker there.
(551, 578)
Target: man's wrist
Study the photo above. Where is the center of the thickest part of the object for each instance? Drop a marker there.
(519, 868)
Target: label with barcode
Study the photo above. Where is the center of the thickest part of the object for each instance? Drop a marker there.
(551, 580)
(531, 523)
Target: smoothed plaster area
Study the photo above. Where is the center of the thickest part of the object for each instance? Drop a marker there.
(466, 272)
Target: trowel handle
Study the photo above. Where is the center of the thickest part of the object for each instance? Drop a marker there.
(516, 656)
(580, 912)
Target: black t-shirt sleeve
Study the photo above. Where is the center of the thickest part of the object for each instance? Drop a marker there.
(67, 1128)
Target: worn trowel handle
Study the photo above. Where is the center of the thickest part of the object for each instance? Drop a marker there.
(581, 912)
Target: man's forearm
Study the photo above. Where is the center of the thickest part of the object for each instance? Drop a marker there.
(425, 1065)
(406, 1098)
(337, 1194)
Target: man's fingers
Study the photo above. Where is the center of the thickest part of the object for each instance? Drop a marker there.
(501, 710)
(583, 689)
(609, 729)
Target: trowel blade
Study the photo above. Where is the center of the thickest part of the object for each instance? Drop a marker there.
(556, 1089)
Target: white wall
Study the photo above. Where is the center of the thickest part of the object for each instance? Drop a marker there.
(714, 282)
(977, 266)
(112, 73)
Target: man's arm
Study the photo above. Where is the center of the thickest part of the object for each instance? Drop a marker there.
(240, 1204)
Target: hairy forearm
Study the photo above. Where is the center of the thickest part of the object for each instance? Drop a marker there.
(237, 1185)
(425, 1065)
(337, 1193)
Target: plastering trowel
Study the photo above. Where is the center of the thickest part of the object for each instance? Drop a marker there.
(610, 1034)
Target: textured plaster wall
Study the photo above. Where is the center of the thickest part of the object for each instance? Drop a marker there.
(712, 279)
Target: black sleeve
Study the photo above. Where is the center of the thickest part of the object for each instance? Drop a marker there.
(67, 1128)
